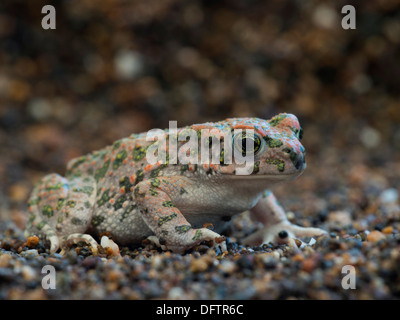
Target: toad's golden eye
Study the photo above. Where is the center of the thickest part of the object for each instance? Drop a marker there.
(248, 143)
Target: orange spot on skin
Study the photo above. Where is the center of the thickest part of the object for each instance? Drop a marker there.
(112, 201)
(93, 163)
(132, 178)
(243, 126)
(130, 148)
(125, 161)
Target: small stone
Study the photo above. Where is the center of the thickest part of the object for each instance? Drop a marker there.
(5, 260)
(388, 230)
(32, 242)
(227, 266)
(28, 273)
(198, 265)
(339, 218)
(389, 196)
(176, 293)
(30, 253)
(375, 236)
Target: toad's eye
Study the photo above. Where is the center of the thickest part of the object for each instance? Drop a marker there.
(298, 133)
(247, 143)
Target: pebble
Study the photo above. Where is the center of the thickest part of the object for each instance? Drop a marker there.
(30, 254)
(32, 242)
(28, 273)
(375, 236)
(389, 196)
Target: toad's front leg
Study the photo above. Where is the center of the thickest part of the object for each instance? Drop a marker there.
(277, 228)
(174, 232)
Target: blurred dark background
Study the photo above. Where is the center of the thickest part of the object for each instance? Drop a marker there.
(114, 67)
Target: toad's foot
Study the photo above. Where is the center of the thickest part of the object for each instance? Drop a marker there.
(68, 241)
(276, 228)
(282, 232)
(196, 236)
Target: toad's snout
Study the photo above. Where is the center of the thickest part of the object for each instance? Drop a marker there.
(297, 158)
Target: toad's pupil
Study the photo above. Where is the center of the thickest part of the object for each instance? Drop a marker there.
(246, 143)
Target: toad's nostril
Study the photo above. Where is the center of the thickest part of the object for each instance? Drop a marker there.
(299, 162)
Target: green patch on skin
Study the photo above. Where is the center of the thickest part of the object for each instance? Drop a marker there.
(60, 219)
(125, 183)
(76, 221)
(183, 229)
(277, 119)
(127, 211)
(165, 219)
(119, 159)
(168, 204)
(86, 189)
(139, 176)
(182, 191)
(256, 167)
(47, 211)
(153, 192)
(273, 143)
(197, 235)
(60, 203)
(118, 204)
(156, 172)
(105, 197)
(34, 202)
(101, 172)
(99, 154)
(77, 162)
(279, 164)
(32, 218)
(56, 186)
(71, 203)
(87, 204)
(139, 153)
(97, 220)
(137, 194)
(116, 144)
(155, 183)
(184, 168)
(40, 225)
(76, 174)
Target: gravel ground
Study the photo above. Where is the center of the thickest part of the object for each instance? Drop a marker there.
(128, 66)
